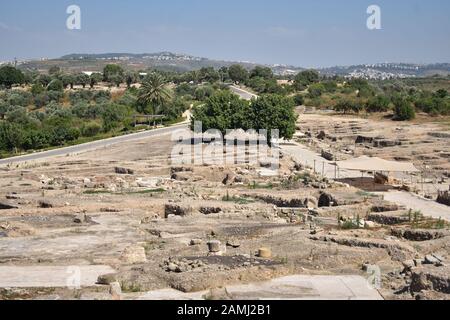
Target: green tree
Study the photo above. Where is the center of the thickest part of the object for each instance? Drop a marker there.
(130, 78)
(82, 79)
(116, 79)
(330, 86)
(238, 73)
(345, 106)
(44, 79)
(68, 80)
(10, 76)
(261, 72)
(209, 74)
(112, 70)
(94, 79)
(258, 84)
(224, 75)
(203, 92)
(305, 78)
(154, 92)
(223, 111)
(274, 112)
(175, 109)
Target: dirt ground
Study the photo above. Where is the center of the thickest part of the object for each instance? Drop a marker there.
(424, 143)
(196, 228)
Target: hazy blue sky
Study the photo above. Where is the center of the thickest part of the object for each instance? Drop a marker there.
(303, 33)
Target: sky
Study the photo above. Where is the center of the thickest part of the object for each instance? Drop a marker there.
(311, 33)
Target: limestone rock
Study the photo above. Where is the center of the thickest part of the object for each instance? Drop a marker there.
(177, 210)
(233, 244)
(196, 242)
(107, 279)
(115, 290)
(214, 246)
(134, 255)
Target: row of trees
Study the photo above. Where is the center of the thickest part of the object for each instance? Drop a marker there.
(403, 106)
(112, 74)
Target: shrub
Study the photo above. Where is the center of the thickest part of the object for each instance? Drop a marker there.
(55, 96)
(91, 129)
(378, 104)
(37, 89)
(55, 85)
(80, 96)
(316, 90)
(299, 100)
(175, 109)
(19, 98)
(41, 100)
(403, 109)
(102, 96)
(11, 136)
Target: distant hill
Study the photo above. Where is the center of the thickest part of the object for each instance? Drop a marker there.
(389, 70)
(168, 61)
(130, 56)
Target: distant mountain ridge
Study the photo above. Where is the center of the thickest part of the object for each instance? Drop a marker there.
(112, 56)
(389, 70)
(170, 61)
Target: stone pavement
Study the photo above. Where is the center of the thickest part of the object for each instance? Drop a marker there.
(298, 287)
(51, 276)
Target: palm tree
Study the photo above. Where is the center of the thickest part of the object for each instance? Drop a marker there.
(154, 92)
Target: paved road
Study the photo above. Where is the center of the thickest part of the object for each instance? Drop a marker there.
(92, 145)
(414, 202)
(245, 95)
